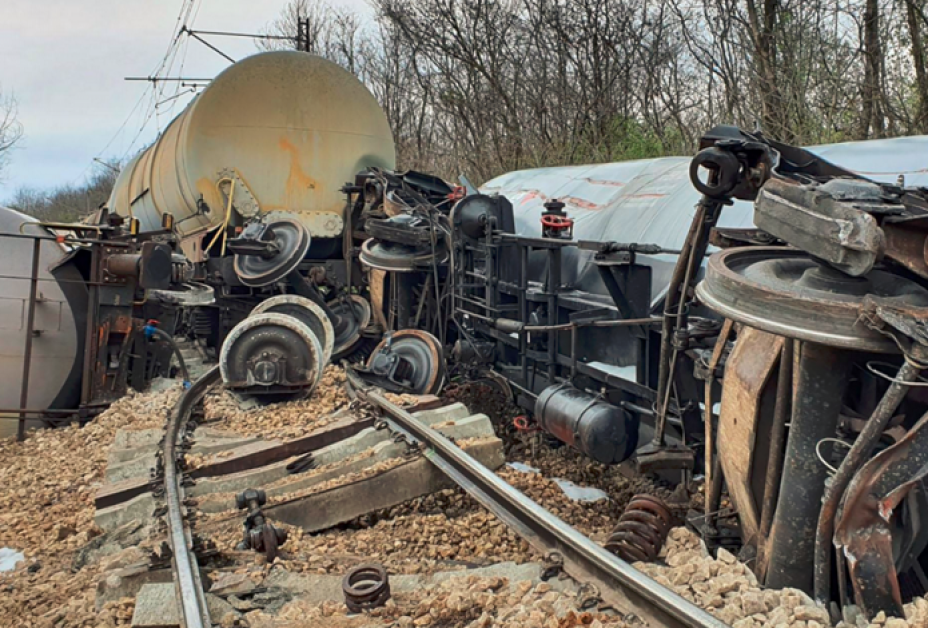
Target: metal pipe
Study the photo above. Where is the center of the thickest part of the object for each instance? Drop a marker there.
(618, 582)
(64, 239)
(694, 248)
(37, 412)
(714, 492)
(56, 281)
(709, 453)
(622, 322)
(781, 415)
(30, 329)
(477, 302)
(404, 307)
(210, 46)
(554, 284)
(573, 353)
(709, 423)
(90, 330)
(860, 451)
(479, 317)
(123, 264)
(821, 379)
(523, 310)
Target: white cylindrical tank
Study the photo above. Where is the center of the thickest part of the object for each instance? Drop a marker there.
(288, 127)
(55, 373)
(653, 201)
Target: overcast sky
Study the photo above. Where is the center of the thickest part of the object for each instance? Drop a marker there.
(65, 63)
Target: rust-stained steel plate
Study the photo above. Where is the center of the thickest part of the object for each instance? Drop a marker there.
(747, 378)
(785, 292)
(864, 532)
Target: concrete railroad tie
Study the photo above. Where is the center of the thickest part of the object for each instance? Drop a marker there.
(342, 503)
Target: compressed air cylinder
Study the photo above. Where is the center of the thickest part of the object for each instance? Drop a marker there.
(602, 431)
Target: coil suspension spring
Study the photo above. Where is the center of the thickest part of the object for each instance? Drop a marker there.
(203, 322)
(642, 529)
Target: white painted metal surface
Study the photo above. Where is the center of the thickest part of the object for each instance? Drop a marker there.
(653, 201)
(55, 345)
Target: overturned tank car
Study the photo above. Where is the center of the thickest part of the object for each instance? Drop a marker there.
(252, 175)
(785, 369)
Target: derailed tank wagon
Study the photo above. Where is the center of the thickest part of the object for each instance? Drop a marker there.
(251, 173)
(785, 371)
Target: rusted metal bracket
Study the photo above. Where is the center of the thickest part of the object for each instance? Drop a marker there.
(243, 199)
(864, 532)
(896, 322)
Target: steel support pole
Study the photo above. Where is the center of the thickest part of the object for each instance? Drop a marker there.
(30, 332)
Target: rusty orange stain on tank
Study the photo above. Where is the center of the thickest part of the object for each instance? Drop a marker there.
(607, 182)
(579, 202)
(532, 195)
(299, 184)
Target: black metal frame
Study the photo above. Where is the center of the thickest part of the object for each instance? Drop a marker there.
(110, 300)
(488, 290)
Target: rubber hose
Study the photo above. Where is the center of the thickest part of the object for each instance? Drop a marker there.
(160, 333)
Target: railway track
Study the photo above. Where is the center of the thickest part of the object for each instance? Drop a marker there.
(617, 583)
(191, 599)
(614, 581)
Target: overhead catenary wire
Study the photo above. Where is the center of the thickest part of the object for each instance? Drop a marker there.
(165, 67)
(188, 8)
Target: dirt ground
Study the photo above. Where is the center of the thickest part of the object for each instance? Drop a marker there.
(47, 484)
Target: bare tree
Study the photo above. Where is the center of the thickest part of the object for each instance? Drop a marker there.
(915, 20)
(488, 86)
(68, 203)
(10, 129)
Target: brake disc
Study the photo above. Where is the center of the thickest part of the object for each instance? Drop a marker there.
(271, 353)
(293, 240)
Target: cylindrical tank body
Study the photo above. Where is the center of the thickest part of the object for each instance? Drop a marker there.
(59, 319)
(653, 201)
(289, 127)
(602, 431)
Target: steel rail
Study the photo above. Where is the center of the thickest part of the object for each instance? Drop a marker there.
(618, 583)
(191, 599)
